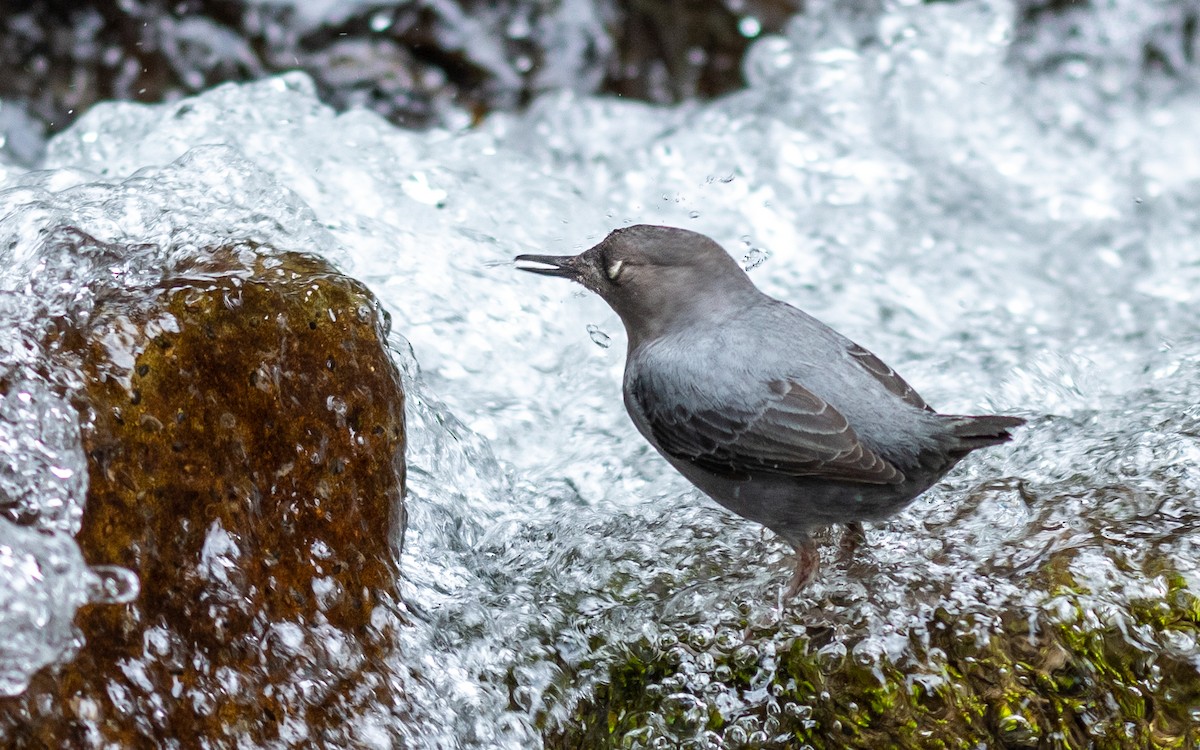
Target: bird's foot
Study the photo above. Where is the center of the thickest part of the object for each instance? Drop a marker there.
(852, 537)
(808, 560)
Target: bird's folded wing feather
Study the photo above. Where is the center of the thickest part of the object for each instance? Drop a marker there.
(887, 376)
(789, 432)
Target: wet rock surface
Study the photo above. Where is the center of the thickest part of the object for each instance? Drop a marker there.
(1030, 684)
(1089, 645)
(244, 428)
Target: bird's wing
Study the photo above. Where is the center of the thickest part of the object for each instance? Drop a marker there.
(790, 432)
(887, 376)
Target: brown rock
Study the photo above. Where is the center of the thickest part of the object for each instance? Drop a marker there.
(244, 428)
(409, 62)
(672, 52)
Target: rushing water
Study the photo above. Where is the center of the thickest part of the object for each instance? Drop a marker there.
(1012, 237)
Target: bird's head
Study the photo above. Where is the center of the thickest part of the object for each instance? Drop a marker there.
(654, 277)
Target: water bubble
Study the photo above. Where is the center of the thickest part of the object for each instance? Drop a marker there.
(599, 337)
(755, 258)
(701, 636)
(112, 584)
(745, 656)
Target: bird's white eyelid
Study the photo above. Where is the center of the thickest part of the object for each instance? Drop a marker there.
(614, 269)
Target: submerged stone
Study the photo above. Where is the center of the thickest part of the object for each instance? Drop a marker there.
(244, 428)
(1066, 668)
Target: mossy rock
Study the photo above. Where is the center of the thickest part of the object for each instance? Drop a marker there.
(244, 427)
(1064, 673)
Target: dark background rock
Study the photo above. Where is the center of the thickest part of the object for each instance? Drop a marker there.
(424, 64)
(244, 427)
(408, 62)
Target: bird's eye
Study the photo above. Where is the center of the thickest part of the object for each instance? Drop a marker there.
(614, 269)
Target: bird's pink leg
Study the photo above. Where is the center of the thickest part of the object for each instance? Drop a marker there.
(808, 560)
(852, 537)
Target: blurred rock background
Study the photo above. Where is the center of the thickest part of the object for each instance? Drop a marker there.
(418, 64)
(426, 63)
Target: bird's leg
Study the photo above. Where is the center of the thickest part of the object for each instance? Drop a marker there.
(852, 537)
(808, 559)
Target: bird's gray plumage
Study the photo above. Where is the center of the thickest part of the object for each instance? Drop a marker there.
(767, 410)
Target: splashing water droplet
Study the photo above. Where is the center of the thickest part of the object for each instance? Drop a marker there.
(382, 22)
(599, 337)
(111, 584)
(749, 27)
(755, 258)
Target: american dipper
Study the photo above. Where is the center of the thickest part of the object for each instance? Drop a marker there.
(765, 409)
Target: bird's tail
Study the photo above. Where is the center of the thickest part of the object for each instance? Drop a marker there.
(966, 434)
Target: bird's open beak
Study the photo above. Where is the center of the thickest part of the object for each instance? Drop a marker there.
(565, 266)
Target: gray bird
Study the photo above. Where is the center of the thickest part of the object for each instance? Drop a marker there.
(765, 409)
